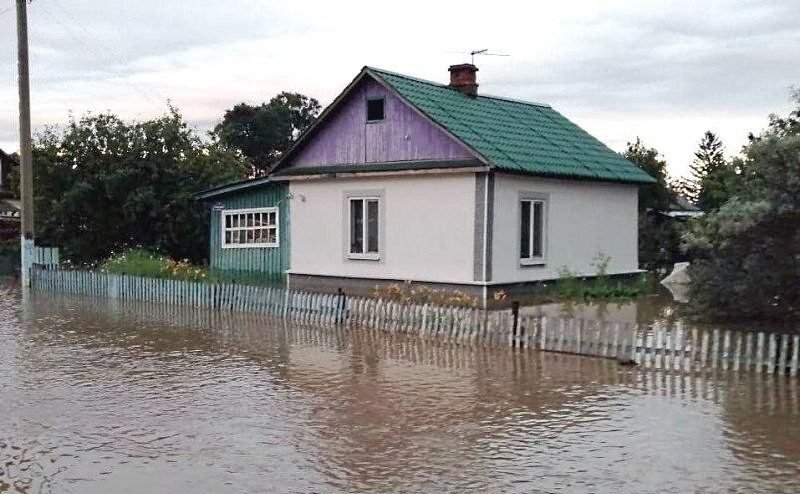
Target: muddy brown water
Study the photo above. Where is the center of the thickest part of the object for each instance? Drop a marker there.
(102, 397)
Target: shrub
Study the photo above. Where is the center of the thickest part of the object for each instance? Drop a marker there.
(139, 262)
(747, 254)
(572, 287)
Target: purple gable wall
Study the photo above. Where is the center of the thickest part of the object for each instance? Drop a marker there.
(346, 138)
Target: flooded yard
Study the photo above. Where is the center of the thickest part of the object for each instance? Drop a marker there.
(99, 396)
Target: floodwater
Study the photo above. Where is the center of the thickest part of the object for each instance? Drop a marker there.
(103, 397)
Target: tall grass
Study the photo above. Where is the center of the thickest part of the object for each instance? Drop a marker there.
(139, 262)
(570, 286)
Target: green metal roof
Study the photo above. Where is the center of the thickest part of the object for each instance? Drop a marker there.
(232, 188)
(378, 167)
(515, 136)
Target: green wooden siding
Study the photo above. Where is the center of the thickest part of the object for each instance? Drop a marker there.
(257, 263)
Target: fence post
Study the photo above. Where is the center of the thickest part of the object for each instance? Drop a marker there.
(515, 323)
(341, 306)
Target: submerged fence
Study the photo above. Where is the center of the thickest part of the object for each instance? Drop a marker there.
(651, 345)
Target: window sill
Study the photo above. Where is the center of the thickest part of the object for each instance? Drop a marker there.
(531, 262)
(250, 246)
(364, 257)
(376, 121)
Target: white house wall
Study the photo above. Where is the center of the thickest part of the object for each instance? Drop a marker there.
(583, 219)
(427, 229)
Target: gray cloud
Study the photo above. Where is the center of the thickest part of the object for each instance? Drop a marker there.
(665, 71)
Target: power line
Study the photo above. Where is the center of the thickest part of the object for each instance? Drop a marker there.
(142, 89)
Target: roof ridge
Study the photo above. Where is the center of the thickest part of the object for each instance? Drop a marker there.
(514, 100)
(446, 86)
(404, 76)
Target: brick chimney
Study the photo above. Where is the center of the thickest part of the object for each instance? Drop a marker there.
(462, 77)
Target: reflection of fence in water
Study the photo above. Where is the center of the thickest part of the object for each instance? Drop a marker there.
(658, 374)
(656, 345)
(253, 332)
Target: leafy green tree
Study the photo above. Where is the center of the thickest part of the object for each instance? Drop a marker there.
(659, 238)
(656, 196)
(784, 126)
(746, 255)
(103, 184)
(264, 132)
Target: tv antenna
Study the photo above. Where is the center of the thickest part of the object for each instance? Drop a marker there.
(485, 51)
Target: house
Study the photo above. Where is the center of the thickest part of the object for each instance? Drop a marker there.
(7, 164)
(405, 179)
(680, 208)
(10, 209)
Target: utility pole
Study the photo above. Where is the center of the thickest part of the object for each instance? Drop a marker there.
(25, 156)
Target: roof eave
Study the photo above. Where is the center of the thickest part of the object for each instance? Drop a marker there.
(580, 178)
(231, 188)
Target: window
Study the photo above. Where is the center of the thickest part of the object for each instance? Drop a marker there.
(363, 231)
(250, 228)
(375, 109)
(532, 231)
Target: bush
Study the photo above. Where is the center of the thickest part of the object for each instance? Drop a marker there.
(139, 262)
(747, 254)
(572, 287)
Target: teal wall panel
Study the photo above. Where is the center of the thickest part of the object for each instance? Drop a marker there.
(257, 263)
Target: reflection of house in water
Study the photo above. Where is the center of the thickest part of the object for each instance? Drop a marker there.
(642, 310)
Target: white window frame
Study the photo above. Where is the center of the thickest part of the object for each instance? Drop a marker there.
(532, 260)
(369, 256)
(231, 212)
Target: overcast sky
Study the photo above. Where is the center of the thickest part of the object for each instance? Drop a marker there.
(665, 71)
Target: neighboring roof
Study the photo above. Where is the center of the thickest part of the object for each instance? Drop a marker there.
(377, 167)
(11, 204)
(682, 203)
(10, 209)
(515, 136)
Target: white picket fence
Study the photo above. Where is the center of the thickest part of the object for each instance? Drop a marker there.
(674, 346)
(45, 256)
(650, 345)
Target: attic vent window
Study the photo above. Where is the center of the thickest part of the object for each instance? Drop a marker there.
(375, 109)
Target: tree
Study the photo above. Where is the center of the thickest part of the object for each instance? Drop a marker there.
(659, 239)
(658, 195)
(263, 133)
(784, 126)
(714, 180)
(747, 254)
(103, 185)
